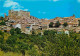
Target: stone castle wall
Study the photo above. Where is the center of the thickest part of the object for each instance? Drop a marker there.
(18, 14)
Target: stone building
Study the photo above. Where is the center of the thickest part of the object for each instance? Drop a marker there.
(21, 17)
(77, 29)
(72, 21)
(20, 13)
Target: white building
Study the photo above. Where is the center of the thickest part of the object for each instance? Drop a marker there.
(17, 26)
(66, 32)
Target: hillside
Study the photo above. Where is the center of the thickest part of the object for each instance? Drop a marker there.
(50, 44)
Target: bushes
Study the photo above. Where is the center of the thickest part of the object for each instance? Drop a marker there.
(1, 33)
(11, 40)
(18, 31)
(2, 23)
(1, 40)
(49, 32)
(12, 31)
(50, 44)
(15, 31)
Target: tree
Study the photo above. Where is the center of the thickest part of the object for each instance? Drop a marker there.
(1, 33)
(22, 47)
(65, 24)
(5, 30)
(11, 40)
(18, 30)
(1, 40)
(1, 18)
(51, 24)
(79, 22)
(49, 32)
(46, 32)
(3, 23)
(12, 31)
(57, 24)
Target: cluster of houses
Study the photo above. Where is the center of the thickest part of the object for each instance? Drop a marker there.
(28, 23)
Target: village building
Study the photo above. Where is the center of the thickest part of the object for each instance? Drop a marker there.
(27, 23)
(77, 29)
(5, 28)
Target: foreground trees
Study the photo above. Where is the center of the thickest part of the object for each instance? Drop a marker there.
(49, 44)
(15, 31)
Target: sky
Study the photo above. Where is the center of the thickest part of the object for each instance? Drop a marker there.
(42, 8)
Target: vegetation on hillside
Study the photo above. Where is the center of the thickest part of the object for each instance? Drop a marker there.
(49, 44)
(79, 22)
(2, 21)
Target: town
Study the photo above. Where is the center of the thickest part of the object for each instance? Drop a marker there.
(24, 35)
(28, 23)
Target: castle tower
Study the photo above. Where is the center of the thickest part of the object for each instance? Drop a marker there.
(10, 12)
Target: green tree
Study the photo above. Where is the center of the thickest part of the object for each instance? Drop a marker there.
(11, 40)
(57, 24)
(46, 32)
(1, 18)
(18, 30)
(65, 24)
(1, 40)
(51, 24)
(22, 47)
(2, 23)
(1, 33)
(79, 22)
(12, 31)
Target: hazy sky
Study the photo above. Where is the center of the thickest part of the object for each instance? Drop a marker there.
(43, 8)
